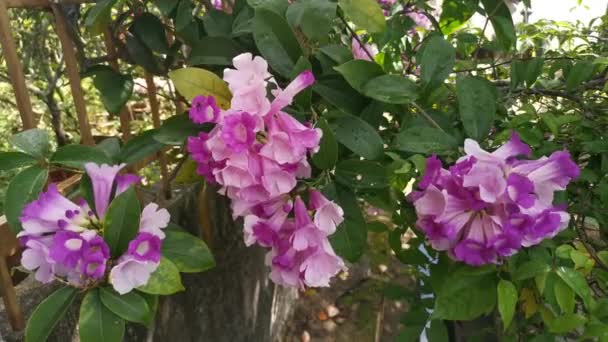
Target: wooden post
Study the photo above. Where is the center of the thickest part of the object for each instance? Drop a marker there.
(9, 246)
(71, 66)
(15, 69)
(154, 107)
(125, 113)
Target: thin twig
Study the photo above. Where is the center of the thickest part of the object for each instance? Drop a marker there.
(427, 116)
(355, 36)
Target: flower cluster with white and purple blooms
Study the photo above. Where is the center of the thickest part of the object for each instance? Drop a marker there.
(256, 153)
(490, 205)
(64, 240)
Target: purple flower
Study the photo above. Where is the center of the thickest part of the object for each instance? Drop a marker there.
(102, 178)
(361, 51)
(153, 220)
(131, 273)
(145, 247)
(67, 248)
(238, 131)
(95, 257)
(36, 257)
(204, 109)
(124, 181)
(328, 214)
(490, 205)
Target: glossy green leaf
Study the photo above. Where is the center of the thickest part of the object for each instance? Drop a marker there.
(111, 147)
(213, 51)
(34, 142)
(130, 306)
(567, 323)
(176, 129)
(313, 17)
(533, 69)
(114, 88)
(530, 269)
(191, 82)
(183, 15)
(140, 147)
(15, 160)
(99, 16)
(580, 72)
(437, 332)
(350, 239)
(189, 253)
(437, 60)
(500, 17)
(391, 89)
(140, 54)
(577, 283)
(276, 41)
(507, 301)
(365, 14)
(477, 105)
(357, 72)
(166, 6)
(22, 189)
(121, 222)
(48, 313)
(78, 155)
(97, 323)
(166, 280)
(151, 31)
(336, 91)
(564, 296)
(327, 156)
(358, 136)
(465, 297)
(217, 23)
(455, 13)
(361, 174)
(426, 140)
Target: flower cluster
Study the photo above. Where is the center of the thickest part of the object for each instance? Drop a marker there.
(62, 238)
(490, 205)
(256, 153)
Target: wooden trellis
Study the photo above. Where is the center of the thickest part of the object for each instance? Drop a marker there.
(9, 246)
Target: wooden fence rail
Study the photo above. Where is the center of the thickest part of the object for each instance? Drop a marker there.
(9, 246)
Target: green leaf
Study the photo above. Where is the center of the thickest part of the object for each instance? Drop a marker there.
(366, 14)
(580, 72)
(477, 105)
(350, 239)
(327, 156)
(22, 189)
(437, 59)
(507, 301)
(455, 13)
(114, 88)
(358, 136)
(111, 147)
(530, 269)
(500, 17)
(465, 296)
(189, 253)
(217, 23)
(97, 323)
(165, 280)
(213, 51)
(98, 18)
(121, 222)
(518, 73)
(130, 306)
(183, 16)
(437, 332)
(340, 94)
(140, 147)
(357, 72)
(361, 174)
(191, 82)
(277, 6)
(15, 160)
(151, 31)
(577, 283)
(34, 142)
(313, 17)
(425, 140)
(166, 6)
(176, 129)
(566, 323)
(140, 54)
(391, 89)
(48, 313)
(78, 155)
(564, 296)
(276, 41)
(533, 69)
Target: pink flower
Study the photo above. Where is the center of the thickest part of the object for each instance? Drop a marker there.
(238, 131)
(204, 109)
(359, 51)
(489, 205)
(328, 214)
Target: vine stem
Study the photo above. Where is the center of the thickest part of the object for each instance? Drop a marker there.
(427, 116)
(354, 35)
